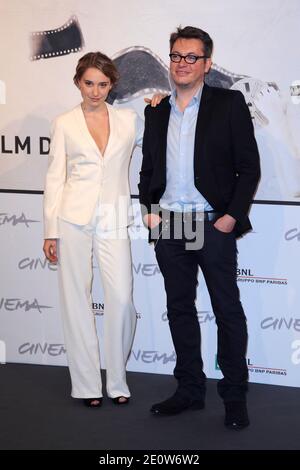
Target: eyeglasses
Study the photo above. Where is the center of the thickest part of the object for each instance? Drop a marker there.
(189, 58)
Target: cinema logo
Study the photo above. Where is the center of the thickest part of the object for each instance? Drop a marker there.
(152, 356)
(204, 316)
(246, 276)
(33, 264)
(45, 349)
(280, 323)
(14, 304)
(292, 234)
(98, 310)
(146, 269)
(24, 145)
(13, 219)
(261, 370)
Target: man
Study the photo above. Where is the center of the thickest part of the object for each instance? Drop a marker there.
(199, 151)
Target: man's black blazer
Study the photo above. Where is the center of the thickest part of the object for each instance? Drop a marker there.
(226, 158)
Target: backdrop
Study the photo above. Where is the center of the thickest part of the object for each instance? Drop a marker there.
(256, 52)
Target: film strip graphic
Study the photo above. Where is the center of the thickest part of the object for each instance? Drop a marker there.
(143, 72)
(61, 41)
(295, 91)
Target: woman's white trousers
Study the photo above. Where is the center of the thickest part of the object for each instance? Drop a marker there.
(113, 255)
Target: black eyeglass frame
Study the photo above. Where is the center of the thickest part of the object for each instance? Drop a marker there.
(196, 57)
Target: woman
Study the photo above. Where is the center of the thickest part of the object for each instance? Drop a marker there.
(86, 209)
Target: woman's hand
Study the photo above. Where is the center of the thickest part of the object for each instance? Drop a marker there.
(155, 100)
(151, 220)
(50, 250)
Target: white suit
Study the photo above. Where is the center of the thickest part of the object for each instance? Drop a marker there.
(87, 196)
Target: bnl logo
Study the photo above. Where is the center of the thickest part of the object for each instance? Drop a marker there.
(2, 352)
(217, 367)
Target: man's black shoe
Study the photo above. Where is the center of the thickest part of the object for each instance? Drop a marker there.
(176, 404)
(236, 415)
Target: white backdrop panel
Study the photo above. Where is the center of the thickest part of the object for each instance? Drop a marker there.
(254, 39)
(267, 276)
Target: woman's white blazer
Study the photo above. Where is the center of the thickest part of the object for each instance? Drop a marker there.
(79, 177)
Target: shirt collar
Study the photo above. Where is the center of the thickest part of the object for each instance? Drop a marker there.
(195, 100)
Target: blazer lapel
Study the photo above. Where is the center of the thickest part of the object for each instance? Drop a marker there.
(112, 127)
(86, 133)
(81, 122)
(163, 124)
